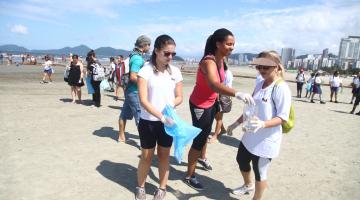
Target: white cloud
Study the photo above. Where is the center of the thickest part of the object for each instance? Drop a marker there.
(20, 29)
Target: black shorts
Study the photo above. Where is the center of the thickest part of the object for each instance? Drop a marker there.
(260, 164)
(299, 85)
(152, 132)
(203, 119)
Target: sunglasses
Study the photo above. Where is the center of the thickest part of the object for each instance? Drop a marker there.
(259, 67)
(167, 54)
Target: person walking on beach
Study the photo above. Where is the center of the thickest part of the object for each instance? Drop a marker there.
(335, 83)
(48, 70)
(119, 71)
(309, 85)
(75, 78)
(131, 106)
(300, 79)
(317, 88)
(160, 84)
(202, 101)
(261, 141)
(93, 67)
(355, 85)
(111, 78)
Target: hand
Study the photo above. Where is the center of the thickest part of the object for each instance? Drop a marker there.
(232, 127)
(167, 121)
(256, 124)
(80, 81)
(172, 104)
(247, 98)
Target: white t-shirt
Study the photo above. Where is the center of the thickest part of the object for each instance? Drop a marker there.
(112, 66)
(356, 82)
(335, 81)
(228, 78)
(300, 77)
(161, 88)
(47, 65)
(266, 141)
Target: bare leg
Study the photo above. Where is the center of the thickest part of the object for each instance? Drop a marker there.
(203, 152)
(163, 154)
(246, 177)
(73, 93)
(219, 127)
(331, 96)
(192, 160)
(144, 165)
(260, 187)
(78, 90)
(122, 125)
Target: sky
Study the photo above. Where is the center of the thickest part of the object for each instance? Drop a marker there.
(309, 26)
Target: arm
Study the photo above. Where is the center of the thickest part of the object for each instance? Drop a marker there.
(135, 63)
(210, 70)
(143, 96)
(81, 71)
(178, 94)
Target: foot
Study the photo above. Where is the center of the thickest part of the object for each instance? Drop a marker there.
(352, 112)
(312, 101)
(330, 100)
(159, 194)
(351, 102)
(245, 189)
(80, 101)
(322, 102)
(73, 101)
(212, 139)
(193, 182)
(336, 102)
(121, 137)
(205, 164)
(358, 113)
(140, 193)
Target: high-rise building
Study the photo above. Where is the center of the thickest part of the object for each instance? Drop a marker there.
(324, 57)
(349, 51)
(287, 57)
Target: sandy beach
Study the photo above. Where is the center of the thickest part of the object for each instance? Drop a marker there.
(52, 149)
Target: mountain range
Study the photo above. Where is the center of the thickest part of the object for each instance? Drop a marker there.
(80, 50)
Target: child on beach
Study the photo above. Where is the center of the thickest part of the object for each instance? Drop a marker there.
(317, 88)
(48, 70)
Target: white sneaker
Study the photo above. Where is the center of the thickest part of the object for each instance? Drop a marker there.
(243, 189)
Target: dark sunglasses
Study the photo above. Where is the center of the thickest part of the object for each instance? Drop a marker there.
(258, 67)
(167, 54)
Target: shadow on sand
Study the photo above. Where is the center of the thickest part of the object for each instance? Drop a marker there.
(109, 132)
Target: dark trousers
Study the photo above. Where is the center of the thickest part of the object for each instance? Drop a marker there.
(96, 96)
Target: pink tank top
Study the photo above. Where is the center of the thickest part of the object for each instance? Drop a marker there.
(202, 96)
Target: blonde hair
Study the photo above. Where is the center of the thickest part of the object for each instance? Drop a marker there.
(274, 56)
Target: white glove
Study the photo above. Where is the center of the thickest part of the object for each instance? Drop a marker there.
(80, 81)
(232, 127)
(172, 104)
(167, 121)
(256, 124)
(247, 98)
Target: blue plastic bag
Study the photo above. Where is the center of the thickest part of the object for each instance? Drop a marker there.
(89, 86)
(104, 85)
(182, 132)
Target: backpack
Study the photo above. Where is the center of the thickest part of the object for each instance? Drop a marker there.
(286, 125)
(125, 78)
(98, 72)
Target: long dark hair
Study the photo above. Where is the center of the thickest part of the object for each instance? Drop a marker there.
(90, 57)
(219, 35)
(161, 42)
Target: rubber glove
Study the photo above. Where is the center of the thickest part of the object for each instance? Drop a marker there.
(256, 124)
(247, 98)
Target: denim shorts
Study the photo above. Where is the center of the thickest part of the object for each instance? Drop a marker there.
(131, 107)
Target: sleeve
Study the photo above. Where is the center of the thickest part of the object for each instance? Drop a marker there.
(144, 73)
(135, 63)
(282, 100)
(178, 75)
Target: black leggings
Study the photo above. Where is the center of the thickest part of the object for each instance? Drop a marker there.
(96, 96)
(203, 119)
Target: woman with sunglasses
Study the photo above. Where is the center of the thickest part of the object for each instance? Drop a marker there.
(203, 106)
(160, 84)
(261, 140)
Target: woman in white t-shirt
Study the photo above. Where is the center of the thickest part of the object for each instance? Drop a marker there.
(335, 83)
(48, 70)
(159, 84)
(261, 141)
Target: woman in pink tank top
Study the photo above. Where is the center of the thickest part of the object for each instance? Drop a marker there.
(202, 102)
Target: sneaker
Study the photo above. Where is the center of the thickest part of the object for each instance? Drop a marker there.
(312, 101)
(159, 194)
(243, 189)
(193, 182)
(205, 164)
(322, 102)
(140, 193)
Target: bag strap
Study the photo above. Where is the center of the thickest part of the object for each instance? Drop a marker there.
(272, 91)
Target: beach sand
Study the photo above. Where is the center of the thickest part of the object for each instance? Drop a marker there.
(52, 149)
